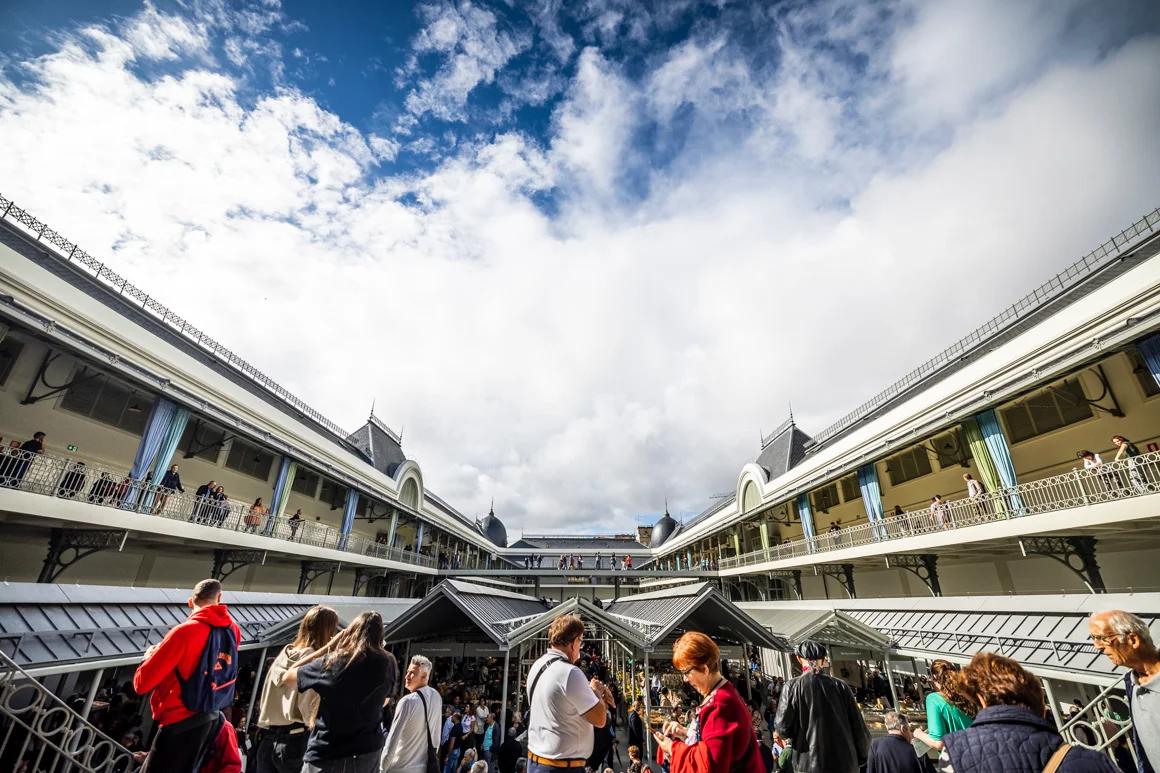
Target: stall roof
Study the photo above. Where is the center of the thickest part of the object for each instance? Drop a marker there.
(283, 631)
(697, 606)
(587, 610)
(829, 626)
(453, 604)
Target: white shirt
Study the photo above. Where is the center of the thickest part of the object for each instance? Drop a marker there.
(974, 488)
(1095, 462)
(406, 749)
(557, 728)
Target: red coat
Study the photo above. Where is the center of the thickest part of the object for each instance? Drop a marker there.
(224, 756)
(178, 652)
(727, 745)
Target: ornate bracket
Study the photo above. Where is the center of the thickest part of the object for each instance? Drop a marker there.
(312, 570)
(226, 562)
(790, 574)
(843, 573)
(363, 575)
(924, 566)
(42, 379)
(67, 546)
(1076, 553)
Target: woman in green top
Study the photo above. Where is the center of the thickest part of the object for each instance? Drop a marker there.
(948, 709)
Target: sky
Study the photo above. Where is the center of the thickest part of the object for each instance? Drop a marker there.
(583, 254)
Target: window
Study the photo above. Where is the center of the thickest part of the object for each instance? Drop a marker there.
(908, 465)
(249, 459)
(333, 494)
(108, 401)
(1139, 369)
(1057, 406)
(10, 350)
(851, 491)
(825, 498)
(951, 449)
(202, 441)
(305, 482)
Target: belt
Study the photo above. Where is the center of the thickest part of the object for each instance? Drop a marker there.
(293, 729)
(573, 763)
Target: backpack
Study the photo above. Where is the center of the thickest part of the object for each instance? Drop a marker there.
(210, 688)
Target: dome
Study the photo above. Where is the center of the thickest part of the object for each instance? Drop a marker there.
(494, 529)
(663, 529)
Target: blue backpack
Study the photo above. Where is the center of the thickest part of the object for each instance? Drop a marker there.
(210, 688)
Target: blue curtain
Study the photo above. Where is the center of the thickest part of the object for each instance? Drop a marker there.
(156, 430)
(1149, 349)
(165, 453)
(1001, 456)
(282, 484)
(807, 517)
(872, 498)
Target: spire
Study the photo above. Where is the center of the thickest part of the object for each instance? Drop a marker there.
(790, 404)
(372, 408)
(492, 511)
(667, 507)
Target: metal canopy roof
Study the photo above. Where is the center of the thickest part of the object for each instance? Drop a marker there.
(829, 626)
(453, 605)
(697, 607)
(588, 611)
(283, 631)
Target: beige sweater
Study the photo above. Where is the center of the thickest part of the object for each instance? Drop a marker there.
(283, 704)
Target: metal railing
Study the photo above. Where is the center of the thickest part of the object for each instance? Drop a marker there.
(1059, 284)
(1130, 477)
(104, 487)
(44, 733)
(1102, 723)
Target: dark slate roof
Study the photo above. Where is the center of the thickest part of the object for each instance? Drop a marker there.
(379, 445)
(783, 450)
(663, 529)
(494, 529)
(454, 607)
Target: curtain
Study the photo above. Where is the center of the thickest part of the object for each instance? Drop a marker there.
(348, 518)
(165, 453)
(155, 433)
(763, 528)
(1149, 349)
(988, 473)
(807, 517)
(286, 472)
(872, 498)
(996, 443)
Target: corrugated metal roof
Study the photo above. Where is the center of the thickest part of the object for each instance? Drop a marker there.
(699, 607)
(453, 605)
(829, 626)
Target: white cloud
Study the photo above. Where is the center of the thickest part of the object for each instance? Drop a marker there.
(581, 367)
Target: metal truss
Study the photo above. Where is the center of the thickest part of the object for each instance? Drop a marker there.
(67, 546)
(312, 570)
(363, 575)
(843, 573)
(226, 562)
(1077, 553)
(924, 566)
(790, 574)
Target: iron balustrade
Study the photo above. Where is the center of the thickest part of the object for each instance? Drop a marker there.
(47, 734)
(1103, 723)
(1126, 478)
(69, 478)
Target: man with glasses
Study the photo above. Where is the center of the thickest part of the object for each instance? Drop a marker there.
(1124, 639)
(563, 706)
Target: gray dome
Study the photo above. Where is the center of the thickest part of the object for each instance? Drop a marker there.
(662, 530)
(494, 529)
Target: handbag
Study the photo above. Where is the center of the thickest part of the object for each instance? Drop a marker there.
(432, 753)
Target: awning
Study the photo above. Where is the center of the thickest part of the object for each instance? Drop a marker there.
(829, 626)
(454, 606)
(587, 611)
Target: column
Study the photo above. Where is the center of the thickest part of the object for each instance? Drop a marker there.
(419, 533)
(394, 527)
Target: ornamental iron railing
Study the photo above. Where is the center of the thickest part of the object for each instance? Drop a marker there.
(95, 484)
(1104, 724)
(43, 733)
(1126, 478)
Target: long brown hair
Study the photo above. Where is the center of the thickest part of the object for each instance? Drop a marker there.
(363, 635)
(948, 680)
(318, 626)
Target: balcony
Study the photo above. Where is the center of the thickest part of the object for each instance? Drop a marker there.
(93, 484)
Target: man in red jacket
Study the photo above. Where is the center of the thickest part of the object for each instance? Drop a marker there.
(183, 733)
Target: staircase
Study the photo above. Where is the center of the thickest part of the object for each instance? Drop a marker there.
(40, 733)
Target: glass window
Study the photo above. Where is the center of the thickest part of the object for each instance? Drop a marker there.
(825, 498)
(1139, 370)
(851, 491)
(951, 449)
(10, 350)
(1057, 406)
(108, 401)
(333, 494)
(249, 459)
(908, 465)
(202, 441)
(305, 482)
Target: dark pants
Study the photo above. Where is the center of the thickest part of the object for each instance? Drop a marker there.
(362, 763)
(177, 748)
(280, 752)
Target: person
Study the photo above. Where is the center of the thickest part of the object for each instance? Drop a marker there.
(201, 498)
(353, 676)
(721, 740)
(509, 751)
(490, 728)
(893, 752)
(835, 532)
(819, 713)
(785, 754)
(170, 665)
(470, 756)
(563, 707)
(634, 763)
(103, 489)
(294, 522)
(1010, 732)
(1124, 639)
(170, 482)
(416, 726)
(938, 510)
(636, 723)
(479, 727)
(947, 708)
(975, 492)
(73, 481)
(1127, 451)
(16, 463)
(254, 516)
(221, 505)
(454, 745)
(284, 714)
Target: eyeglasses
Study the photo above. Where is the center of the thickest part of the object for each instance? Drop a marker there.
(1103, 638)
(686, 671)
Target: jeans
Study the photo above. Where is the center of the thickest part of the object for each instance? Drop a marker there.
(362, 763)
(452, 762)
(279, 753)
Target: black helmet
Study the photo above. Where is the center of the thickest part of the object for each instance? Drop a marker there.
(810, 650)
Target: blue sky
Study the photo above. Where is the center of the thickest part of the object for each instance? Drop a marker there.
(584, 253)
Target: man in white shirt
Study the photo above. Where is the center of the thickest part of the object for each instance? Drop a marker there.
(563, 706)
(417, 722)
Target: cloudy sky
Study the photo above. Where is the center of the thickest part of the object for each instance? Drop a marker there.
(583, 253)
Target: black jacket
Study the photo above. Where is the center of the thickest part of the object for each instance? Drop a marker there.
(818, 713)
(892, 754)
(636, 731)
(1011, 739)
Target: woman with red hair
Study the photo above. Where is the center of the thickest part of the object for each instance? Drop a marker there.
(721, 738)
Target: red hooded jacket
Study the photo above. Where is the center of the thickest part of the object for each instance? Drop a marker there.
(178, 652)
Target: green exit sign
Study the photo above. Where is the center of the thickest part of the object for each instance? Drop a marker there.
(72, 447)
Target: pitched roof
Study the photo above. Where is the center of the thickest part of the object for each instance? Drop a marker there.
(782, 450)
(453, 605)
(379, 444)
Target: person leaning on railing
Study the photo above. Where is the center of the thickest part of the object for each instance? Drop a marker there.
(16, 462)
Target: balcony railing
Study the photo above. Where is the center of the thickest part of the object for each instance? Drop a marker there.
(104, 487)
(45, 733)
(1131, 477)
(1103, 724)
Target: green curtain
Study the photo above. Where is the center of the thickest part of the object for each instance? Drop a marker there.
(988, 473)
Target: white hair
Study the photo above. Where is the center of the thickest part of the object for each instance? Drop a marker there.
(895, 721)
(423, 663)
(479, 767)
(1123, 623)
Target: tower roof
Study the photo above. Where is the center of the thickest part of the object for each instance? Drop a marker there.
(379, 444)
(493, 528)
(784, 449)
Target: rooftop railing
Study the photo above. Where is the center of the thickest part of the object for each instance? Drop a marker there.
(104, 487)
(1053, 288)
(1127, 478)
